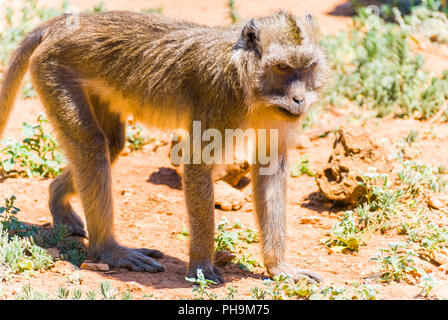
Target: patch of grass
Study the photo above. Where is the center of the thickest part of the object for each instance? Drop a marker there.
(14, 27)
(158, 10)
(70, 250)
(374, 69)
(201, 288)
(18, 255)
(419, 176)
(397, 263)
(232, 11)
(281, 287)
(106, 292)
(36, 156)
(135, 138)
(302, 167)
(236, 242)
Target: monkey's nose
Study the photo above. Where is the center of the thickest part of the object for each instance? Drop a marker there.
(299, 100)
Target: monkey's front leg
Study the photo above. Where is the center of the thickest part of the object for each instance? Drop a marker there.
(198, 188)
(270, 201)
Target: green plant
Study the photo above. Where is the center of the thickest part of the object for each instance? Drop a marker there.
(427, 284)
(107, 290)
(157, 10)
(247, 262)
(135, 139)
(19, 255)
(396, 263)
(201, 287)
(233, 15)
(29, 294)
(419, 176)
(375, 69)
(36, 156)
(8, 215)
(302, 167)
(225, 239)
(345, 234)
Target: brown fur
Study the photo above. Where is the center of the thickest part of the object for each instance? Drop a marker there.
(167, 73)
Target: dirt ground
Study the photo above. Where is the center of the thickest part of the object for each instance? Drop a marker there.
(151, 215)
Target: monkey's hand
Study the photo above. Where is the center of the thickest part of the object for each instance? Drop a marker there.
(116, 255)
(210, 271)
(296, 274)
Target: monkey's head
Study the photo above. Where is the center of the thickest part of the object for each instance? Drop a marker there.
(289, 66)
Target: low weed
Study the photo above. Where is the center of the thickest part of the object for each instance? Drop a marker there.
(36, 156)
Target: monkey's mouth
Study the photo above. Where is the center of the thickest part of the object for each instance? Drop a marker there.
(289, 114)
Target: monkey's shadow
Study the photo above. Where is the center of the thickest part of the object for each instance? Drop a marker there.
(315, 201)
(174, 275)
(168, 177)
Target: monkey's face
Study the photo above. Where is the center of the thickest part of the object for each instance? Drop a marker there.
(289, 78)
(291, 66)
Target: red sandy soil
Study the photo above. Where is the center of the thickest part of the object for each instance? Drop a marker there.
(151, 215)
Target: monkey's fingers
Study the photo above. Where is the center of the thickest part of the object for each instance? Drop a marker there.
(150, 253)
(311, 277)
(140, 263)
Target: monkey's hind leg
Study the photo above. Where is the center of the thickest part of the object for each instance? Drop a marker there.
(86, 148)
(61, 189)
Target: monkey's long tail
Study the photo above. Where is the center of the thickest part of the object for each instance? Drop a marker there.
(16, 70)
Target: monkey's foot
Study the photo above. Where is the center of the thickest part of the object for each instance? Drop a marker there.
(210, 271)
(67, 216)
(296, 274)
(133, 259)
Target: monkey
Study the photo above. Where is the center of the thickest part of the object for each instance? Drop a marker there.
(168, 73)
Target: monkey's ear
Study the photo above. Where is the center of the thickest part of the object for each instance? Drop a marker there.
(250, 36)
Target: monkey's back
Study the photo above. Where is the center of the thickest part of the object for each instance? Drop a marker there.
(162, 62)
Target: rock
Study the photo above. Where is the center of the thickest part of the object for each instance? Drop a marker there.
(440, 291)
(355, 150)
(440, 256)
(444, 268)
(234, 173)
(94, 266)
(223, 258)
(228, 198)
(63, 267)
(438, 201)
(310, 220)
(133, 286)
(53, 253)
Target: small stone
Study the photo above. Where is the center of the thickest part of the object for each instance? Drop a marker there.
(133, 286)
(438, 201)
(94, 266)
(53, 253)
(440, 256)
(227, 198)
(310, 220)
(63, 267)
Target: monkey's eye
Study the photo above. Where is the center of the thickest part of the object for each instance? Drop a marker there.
(283, 67)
